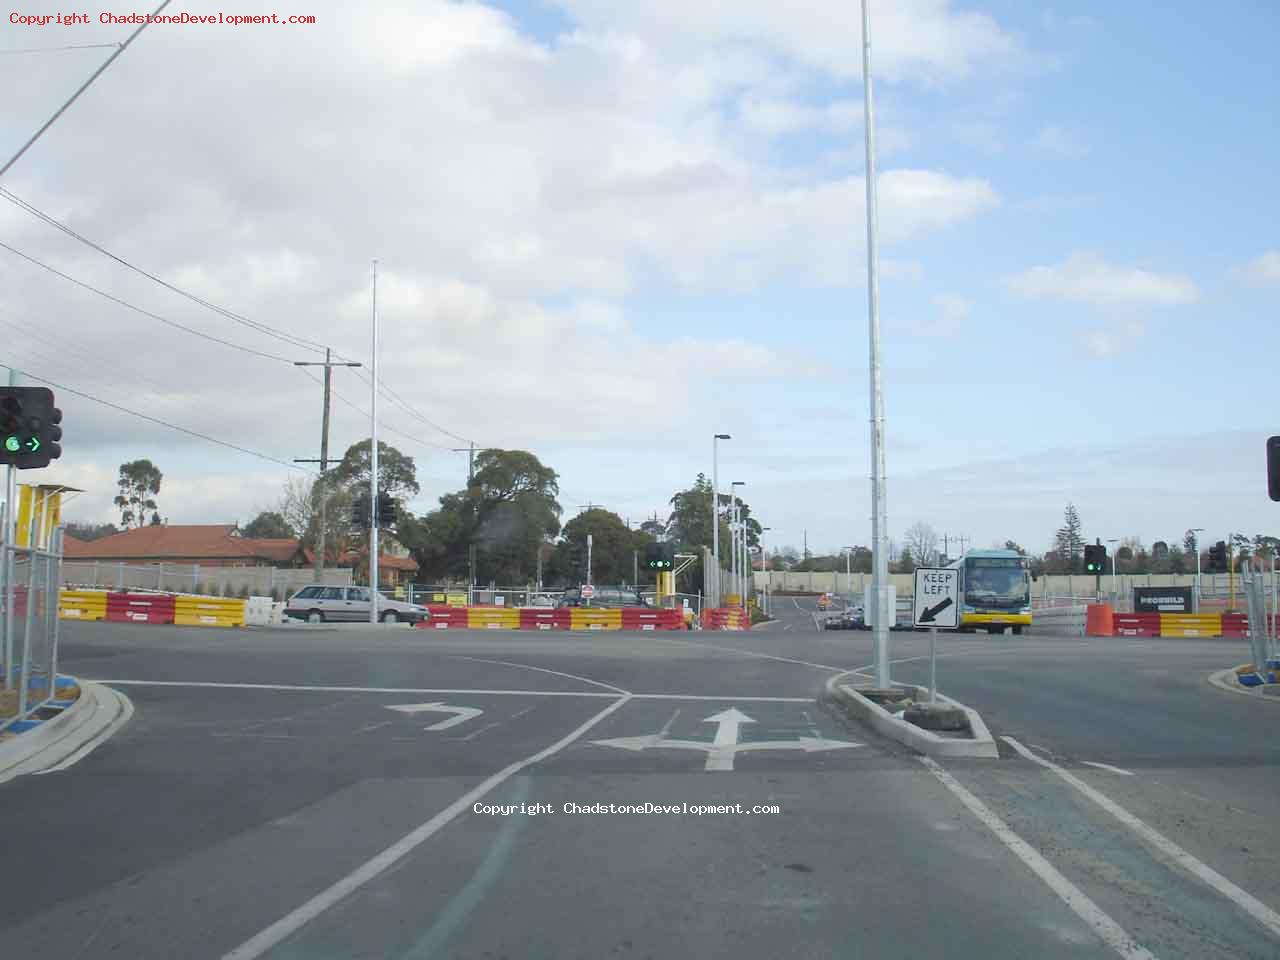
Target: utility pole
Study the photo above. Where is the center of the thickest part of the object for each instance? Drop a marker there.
(321, 490)
(470, 451)
(373, 462)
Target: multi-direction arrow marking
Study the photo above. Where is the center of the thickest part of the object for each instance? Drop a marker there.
(725, 746)
(931, 613)
(463, 714)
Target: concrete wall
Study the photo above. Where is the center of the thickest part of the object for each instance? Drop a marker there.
(1046, 588)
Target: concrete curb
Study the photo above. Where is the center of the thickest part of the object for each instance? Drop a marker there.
(1226, 680)
(57, 743)
(854, 704)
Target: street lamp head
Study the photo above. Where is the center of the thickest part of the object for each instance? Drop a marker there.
(738, 483)
(723, 436)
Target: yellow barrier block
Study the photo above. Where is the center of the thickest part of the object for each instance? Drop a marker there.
(592, 618)
(1190, 624)
(82, 604)
(486, 619)
(192, 611)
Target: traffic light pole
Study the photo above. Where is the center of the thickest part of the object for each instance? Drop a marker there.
(1097, 576)
(8, 538)
(373, 462)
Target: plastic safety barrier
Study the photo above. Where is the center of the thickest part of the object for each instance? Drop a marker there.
(80, 604)
(445, 617)
(493, 618)
(1099, 620)
(1190, 624)
(1136, 624)
(640, 618)
(594, 618)
(194, 611)
(725, 618)
(543, 618)
(1235, 626)
(140, 607)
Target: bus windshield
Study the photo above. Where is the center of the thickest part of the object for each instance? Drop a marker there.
(994, 580)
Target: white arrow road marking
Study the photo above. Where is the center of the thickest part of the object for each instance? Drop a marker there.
(1108, 767)
(722, 747)
(463, 713)
(722, 750)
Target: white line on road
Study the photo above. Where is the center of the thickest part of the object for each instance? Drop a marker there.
(1084, 908)
(1108, 767)
(293, 921)
(557, 673)
(1246, 901)
(472, 736)
(589, 694)
(752, 653)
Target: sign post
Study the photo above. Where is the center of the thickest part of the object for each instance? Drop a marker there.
(935, 602)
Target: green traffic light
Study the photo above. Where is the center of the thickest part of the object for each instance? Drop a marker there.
(12, 444)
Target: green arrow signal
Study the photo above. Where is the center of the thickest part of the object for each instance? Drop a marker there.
(12, 444)
(35, 444)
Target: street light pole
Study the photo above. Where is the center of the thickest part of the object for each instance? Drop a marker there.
(715, 517)
(737, 533)
(764, 566)
(1196, 541)
(1115, 597)
(373, 463)
(879, 514)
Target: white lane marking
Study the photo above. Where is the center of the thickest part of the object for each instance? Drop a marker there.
(1108, 767)
(752, 653)
(786, 626)
(460, 714)
(293, 921)
(472, 736)
(1084, 908)
(1246, 901)
(556, 673)
(590, 694)
(797, 603)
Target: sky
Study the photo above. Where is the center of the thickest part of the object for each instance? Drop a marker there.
(606, 232)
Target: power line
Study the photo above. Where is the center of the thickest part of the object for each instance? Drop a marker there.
(70, 46)
(255, 325)
(164, 423)
(390, 394)
(381, 423)
(83, 87)
(145, 313)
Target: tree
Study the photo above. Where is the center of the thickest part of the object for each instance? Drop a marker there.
(654, 528)
(267, 525)
(397, 475)
(1016, 548)
(922, 544)
(299, 507)
(906, 564)
(689, 523)
(139, 481)
(1189, 543)
(508, 510)
(91, 531)
(612, 546)
(1068, 541)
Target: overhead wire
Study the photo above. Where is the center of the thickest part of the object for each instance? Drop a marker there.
(70, 46)
(156, 420)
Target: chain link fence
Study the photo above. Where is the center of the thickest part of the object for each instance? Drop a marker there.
(215, 581)
(29, 582)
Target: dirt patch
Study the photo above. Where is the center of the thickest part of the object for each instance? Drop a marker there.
(8, 703)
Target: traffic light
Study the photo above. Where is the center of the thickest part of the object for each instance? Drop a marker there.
(1273, 467)
(1218, 558)
(29, 427)
(386, 510)
(1095, 558)
(360, 512)
(660, 556)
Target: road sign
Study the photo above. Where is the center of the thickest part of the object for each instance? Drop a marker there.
(937, 597)
(588, 591)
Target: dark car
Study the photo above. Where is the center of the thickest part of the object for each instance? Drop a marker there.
(604, 597)
(850, 619)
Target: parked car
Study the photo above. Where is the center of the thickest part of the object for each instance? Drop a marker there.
(851, 619)
(317, 604)
(604, 597)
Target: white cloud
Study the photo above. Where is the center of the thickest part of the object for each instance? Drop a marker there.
(951, 313)
(1118, 339)
(775, 116)
(1263, 269)
(1086, 278)
(1055, 139)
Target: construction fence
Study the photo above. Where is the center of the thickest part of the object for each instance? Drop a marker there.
(214, 581)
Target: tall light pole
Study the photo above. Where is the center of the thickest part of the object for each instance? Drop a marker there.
(764, 566)
(1115, 598)
(373, 463)
(1196, 540)
(715, 516)
(470, 451)
(879, 514)
(737, 532)
(848, 571)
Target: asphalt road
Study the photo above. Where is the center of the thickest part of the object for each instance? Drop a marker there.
(265, 801)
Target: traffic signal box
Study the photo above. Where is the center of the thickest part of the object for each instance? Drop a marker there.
(660, 556)
(1095, 558)
(1217, 558)
(29, 427)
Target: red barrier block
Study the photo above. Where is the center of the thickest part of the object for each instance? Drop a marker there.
(1235, 626)
(445, 618)
(640, 618)
(140, 607)
(543, 618)
(1136, 624)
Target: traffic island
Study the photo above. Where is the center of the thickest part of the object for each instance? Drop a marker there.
(82, 717)
(902, 713)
